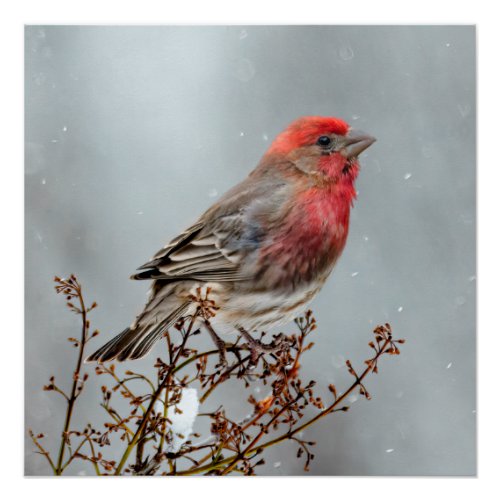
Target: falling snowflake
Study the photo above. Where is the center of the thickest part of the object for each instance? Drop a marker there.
(346, 53)
(338, 361)
(353, 398)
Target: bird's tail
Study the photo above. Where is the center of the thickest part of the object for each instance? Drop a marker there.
(136, 341)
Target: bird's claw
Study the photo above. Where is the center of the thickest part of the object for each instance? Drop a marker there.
(257, 348)
(223, 363)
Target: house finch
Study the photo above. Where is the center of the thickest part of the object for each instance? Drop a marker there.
(264, 249)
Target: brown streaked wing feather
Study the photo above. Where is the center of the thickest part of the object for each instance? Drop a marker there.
(177, 242)
(199, 254)
(214, 247)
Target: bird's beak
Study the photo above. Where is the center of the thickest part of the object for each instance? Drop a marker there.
(355, 143)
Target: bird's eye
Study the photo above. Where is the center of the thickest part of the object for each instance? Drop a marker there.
(324, 140)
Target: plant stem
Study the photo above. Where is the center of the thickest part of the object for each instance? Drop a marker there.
(165, 413)
(43, 451)
(121, 383)
(232, 460)
(156, 395)
(76, 378)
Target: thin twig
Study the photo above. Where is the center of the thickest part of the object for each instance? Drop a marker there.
(76, 376)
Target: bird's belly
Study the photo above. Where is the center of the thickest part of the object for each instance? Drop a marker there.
(261, 310)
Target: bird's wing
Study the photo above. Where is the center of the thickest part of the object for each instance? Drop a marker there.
(197, 254)
(214, 247)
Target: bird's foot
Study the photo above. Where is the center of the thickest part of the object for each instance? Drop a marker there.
(220, 344)
(257, 347)
(223, 363)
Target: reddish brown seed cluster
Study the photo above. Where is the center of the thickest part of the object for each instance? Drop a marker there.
(140, 436)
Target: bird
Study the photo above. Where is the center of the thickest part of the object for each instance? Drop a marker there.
(263, 250)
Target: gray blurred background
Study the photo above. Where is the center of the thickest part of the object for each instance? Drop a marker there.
(132, 132)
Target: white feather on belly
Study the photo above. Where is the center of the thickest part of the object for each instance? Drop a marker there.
(256, 311)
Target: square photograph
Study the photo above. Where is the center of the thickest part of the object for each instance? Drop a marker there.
(296, 209)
